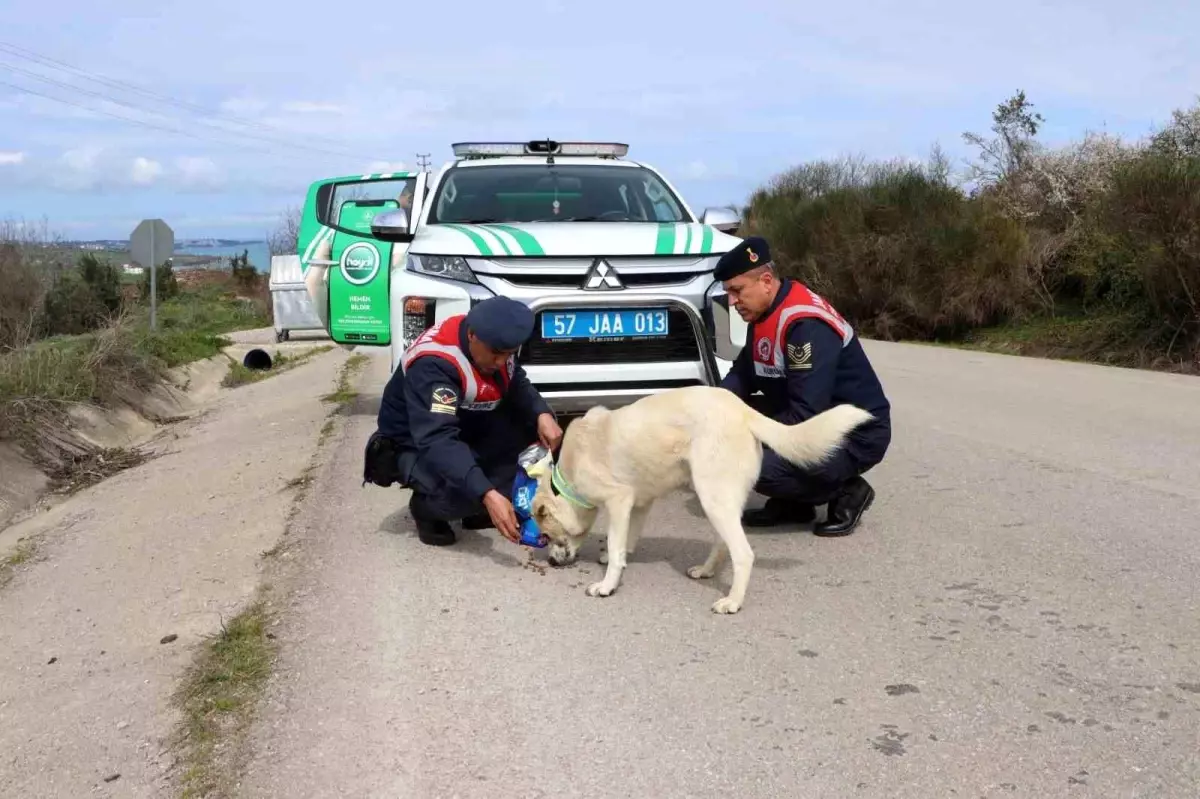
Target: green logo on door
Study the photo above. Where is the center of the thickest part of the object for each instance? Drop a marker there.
(360, 263)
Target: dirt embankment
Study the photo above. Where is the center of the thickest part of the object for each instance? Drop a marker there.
(128, 605)
(83, 444)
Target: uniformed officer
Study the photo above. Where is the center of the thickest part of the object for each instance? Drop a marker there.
(804, 358)
(460, 410)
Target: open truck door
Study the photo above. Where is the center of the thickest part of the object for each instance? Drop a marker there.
(347, 268)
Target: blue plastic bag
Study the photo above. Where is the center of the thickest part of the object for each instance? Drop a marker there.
(524, 488)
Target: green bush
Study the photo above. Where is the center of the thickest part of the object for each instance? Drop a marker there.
(165, 284)
(82, 299)
(1094, 247)
(21, 294)
(895, 247)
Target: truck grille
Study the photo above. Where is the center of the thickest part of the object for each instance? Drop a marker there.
(678, 345)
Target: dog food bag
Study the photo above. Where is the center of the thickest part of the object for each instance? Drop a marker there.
(534, 459)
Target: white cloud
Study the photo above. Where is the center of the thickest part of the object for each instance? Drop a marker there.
(78, 169)
(198, 173)
(308, 107)
(243, 106)
(145, 171)
(11, 158)
(386, 166)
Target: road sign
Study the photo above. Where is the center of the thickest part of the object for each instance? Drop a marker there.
(151, 244)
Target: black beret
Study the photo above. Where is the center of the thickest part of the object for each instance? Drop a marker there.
(501, 322)
(750, 253)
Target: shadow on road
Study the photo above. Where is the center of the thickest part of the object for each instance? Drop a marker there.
(683, 553)
(366, 405)
(474, 542)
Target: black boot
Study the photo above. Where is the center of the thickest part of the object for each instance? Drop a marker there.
(779, 511)
(846, 509)
(434, 532)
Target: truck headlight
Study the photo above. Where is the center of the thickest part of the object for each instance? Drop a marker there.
(451, 267)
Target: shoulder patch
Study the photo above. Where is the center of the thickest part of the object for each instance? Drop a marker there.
(799, 357)
(444, 400)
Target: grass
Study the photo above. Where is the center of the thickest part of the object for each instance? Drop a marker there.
(39, 380)
(343, 394)
(240, 375)
(221, 690)
(191, 325)
(218, 696)
(1108, 338)
(93, 467)
(24, 552)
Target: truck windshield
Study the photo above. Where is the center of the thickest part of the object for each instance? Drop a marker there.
(557, 193)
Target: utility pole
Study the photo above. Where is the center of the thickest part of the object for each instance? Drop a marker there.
(423, 161)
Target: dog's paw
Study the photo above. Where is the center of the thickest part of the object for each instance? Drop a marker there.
(726, 605)
(699, 573)
(603, 557)
(599, 589)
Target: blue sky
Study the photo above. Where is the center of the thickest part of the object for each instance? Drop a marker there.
(719, 95)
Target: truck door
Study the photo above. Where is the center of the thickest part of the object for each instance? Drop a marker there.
(347, 270)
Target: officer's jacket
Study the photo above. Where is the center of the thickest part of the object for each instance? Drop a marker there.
(805, 358)
(441, 405)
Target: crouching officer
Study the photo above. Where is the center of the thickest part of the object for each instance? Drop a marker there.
(459, 410)
(804, 358)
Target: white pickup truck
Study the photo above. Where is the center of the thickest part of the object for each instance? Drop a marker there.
(613, 262)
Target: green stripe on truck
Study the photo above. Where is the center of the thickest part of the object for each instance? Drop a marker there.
(480, 243)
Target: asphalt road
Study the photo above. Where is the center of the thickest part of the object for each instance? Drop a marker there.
(1017, 616)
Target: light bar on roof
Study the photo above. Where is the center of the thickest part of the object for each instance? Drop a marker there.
(540, 147)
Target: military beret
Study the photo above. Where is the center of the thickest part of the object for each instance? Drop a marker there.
(750, 253)
(501, 322)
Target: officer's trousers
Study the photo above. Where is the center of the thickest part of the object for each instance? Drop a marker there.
(863, 450)
(436, 498)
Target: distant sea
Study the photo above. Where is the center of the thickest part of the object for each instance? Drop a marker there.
(259, 253)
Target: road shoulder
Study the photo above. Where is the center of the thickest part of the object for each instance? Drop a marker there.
(134, 578)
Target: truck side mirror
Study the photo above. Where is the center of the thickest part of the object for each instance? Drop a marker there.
(722, 219)
(391, 226)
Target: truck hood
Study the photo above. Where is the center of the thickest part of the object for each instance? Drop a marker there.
(571, 239)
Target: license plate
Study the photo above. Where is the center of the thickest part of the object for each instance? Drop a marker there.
(604, 324)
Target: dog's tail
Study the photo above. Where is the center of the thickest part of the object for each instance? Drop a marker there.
(812, 441)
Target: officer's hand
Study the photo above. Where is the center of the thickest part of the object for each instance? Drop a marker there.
(502, 514)
(549, 433)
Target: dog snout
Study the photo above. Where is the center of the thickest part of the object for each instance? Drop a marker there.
(559, 556)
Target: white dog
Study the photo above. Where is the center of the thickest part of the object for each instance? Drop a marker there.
(624, 460)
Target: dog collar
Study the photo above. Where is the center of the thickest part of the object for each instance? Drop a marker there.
(562, 486)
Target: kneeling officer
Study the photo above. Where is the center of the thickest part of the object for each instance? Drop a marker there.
(460, 410)
(804, 358)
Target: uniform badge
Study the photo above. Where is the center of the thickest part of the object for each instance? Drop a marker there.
(764, 348)
(799, 357)
(444, 400)
(752, 255)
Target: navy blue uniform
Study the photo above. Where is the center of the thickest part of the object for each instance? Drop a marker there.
(459, 429)
(453, 460)
(830, 375)
(803, 358)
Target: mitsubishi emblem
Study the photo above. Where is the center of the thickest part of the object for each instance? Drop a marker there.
(602, 277)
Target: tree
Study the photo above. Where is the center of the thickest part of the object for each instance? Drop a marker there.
(1003, 157)
(242, 270)
(283, 240)
(166, 286)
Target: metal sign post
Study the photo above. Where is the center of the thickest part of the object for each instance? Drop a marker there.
(152, 243)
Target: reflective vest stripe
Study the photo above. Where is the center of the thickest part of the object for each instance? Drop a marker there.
(454, 355)
(826, 315)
